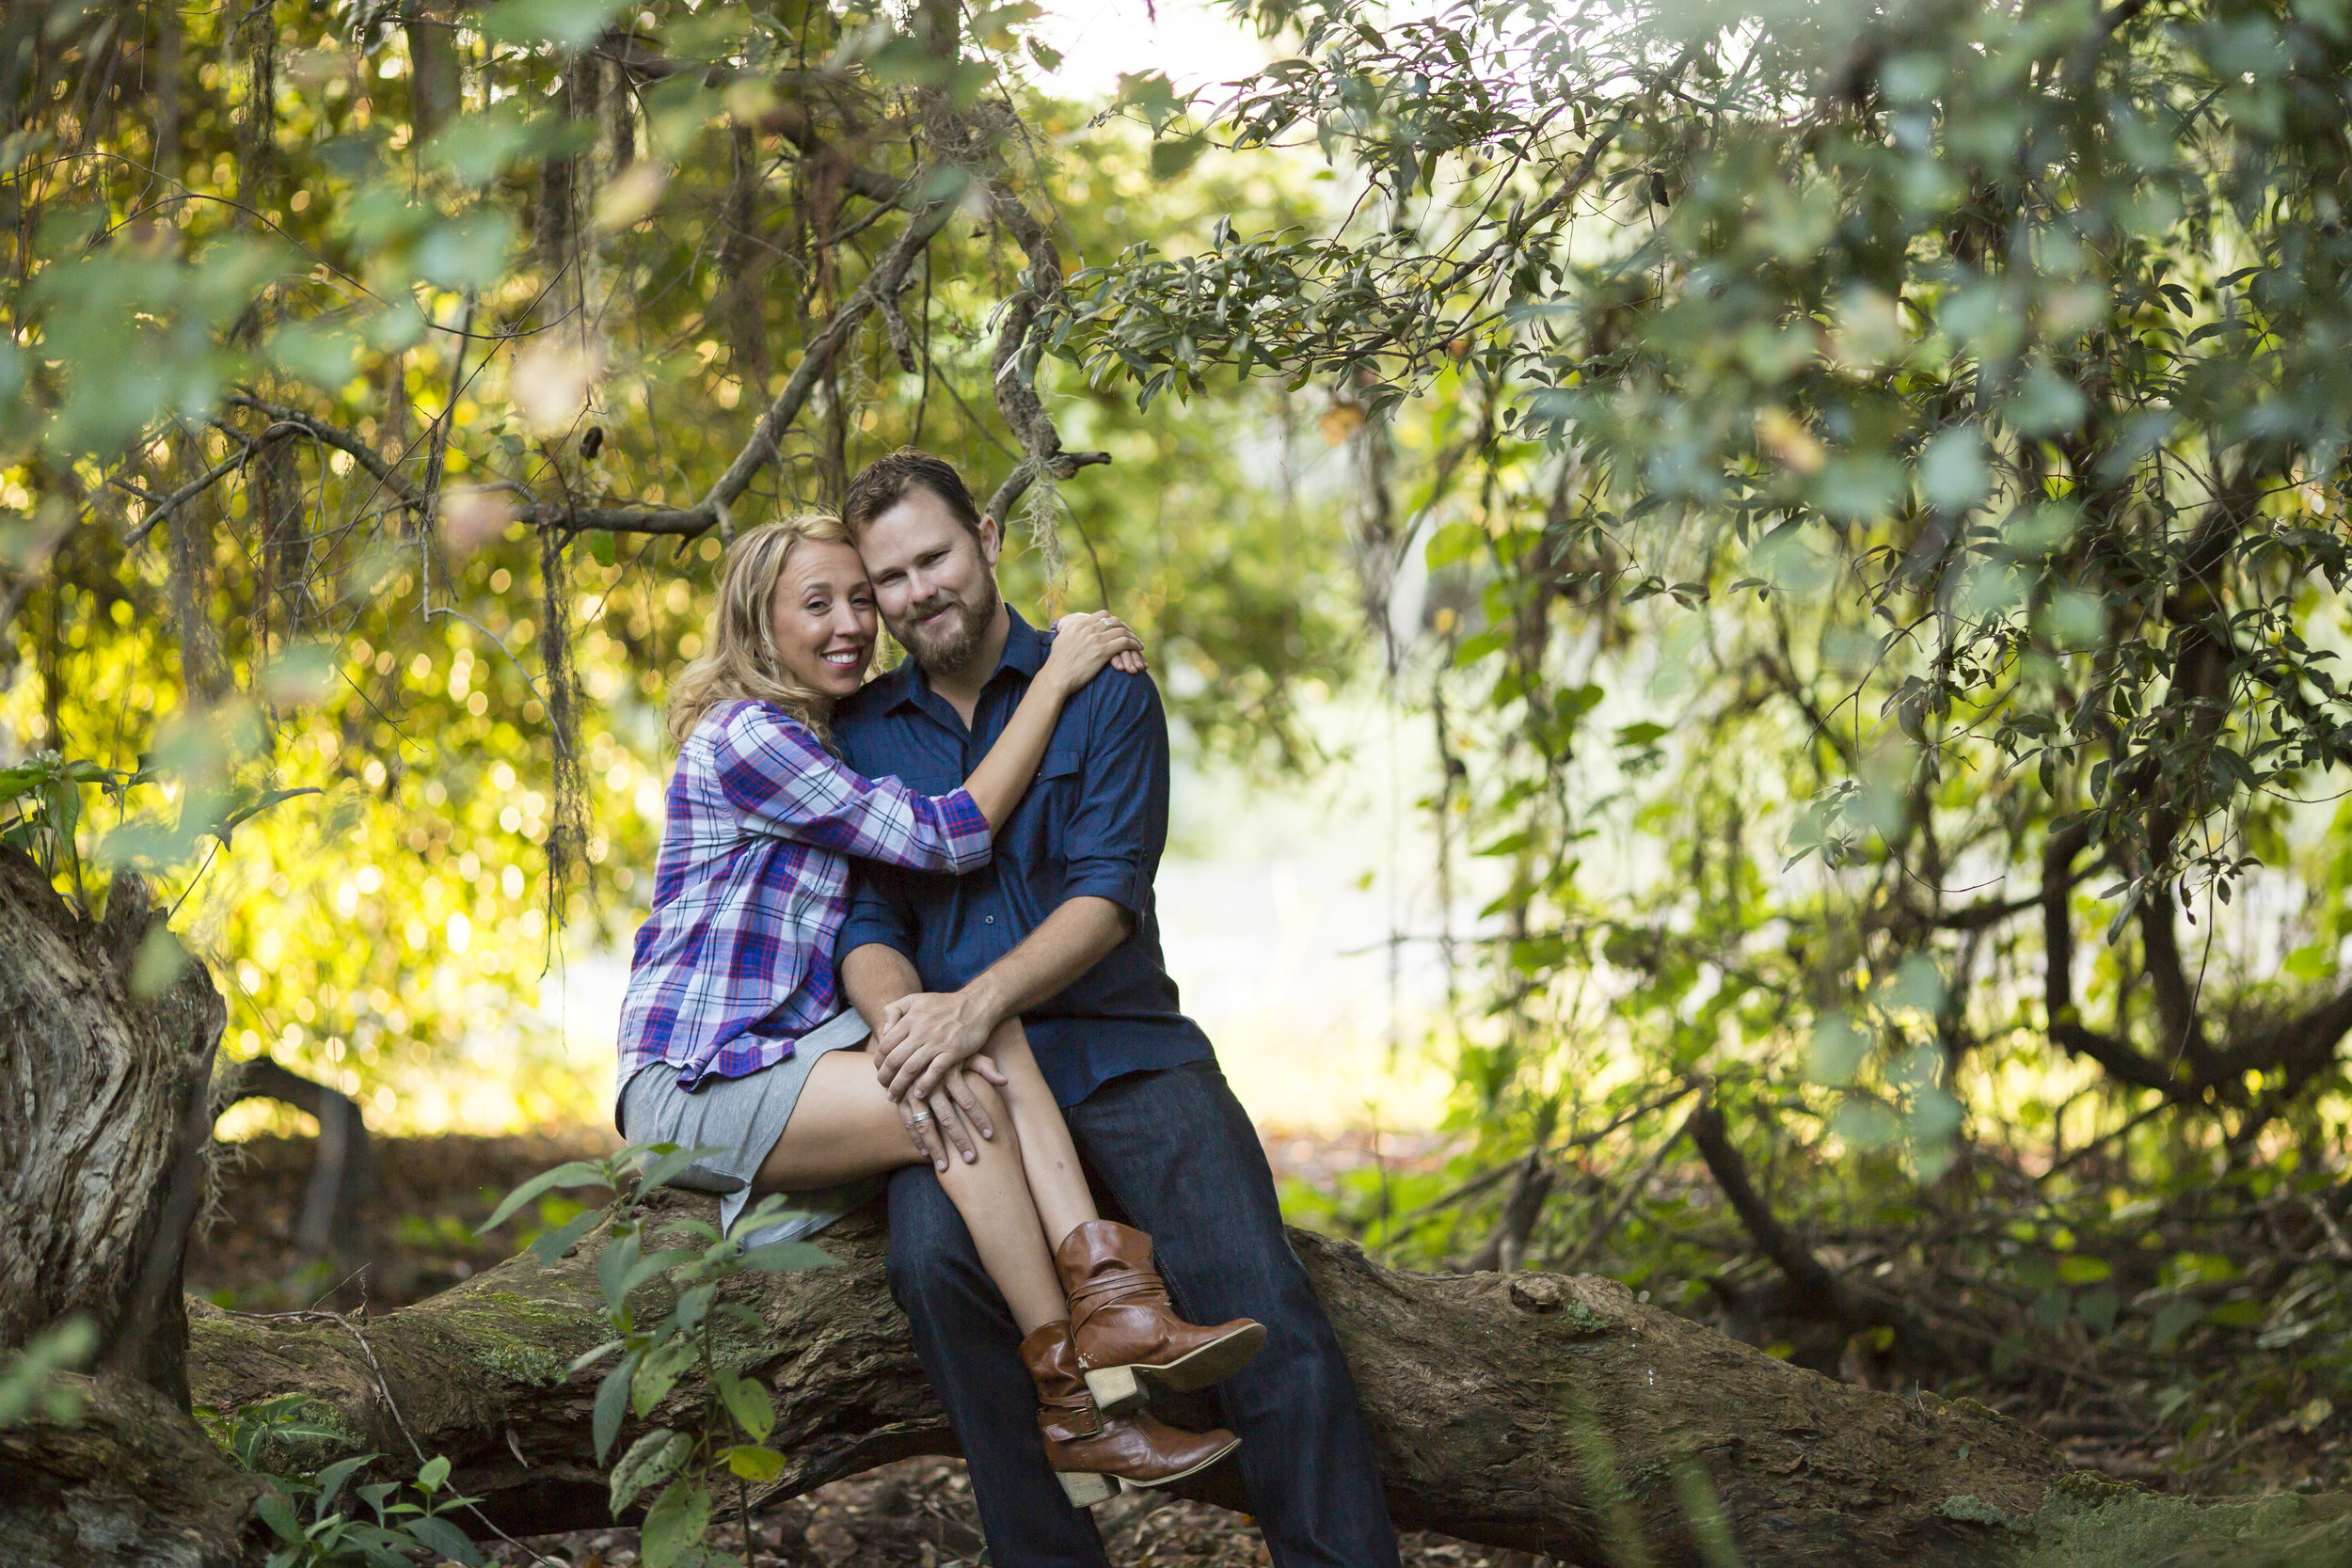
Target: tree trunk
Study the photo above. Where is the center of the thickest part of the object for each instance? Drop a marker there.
(103, 1135)
(1535, 1411)
(101, 1089)
(342, 1170)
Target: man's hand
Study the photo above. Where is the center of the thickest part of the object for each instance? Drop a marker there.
(927, 1036)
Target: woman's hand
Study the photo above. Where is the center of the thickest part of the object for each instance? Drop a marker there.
(1084, 643)
(949, 1115)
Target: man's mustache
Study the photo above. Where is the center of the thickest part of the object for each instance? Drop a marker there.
(925, 608)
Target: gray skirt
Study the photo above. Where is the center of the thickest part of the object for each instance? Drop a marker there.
(743, 1118)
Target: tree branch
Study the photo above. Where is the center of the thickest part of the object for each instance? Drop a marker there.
(1817, 1289)
(713, 508)
(1014, 382)
(334, 436)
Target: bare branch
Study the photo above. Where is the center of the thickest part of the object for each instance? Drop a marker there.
(1016, 392)
(162, 507)
(334, 436)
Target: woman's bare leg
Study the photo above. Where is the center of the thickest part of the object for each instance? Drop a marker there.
(844, 1127)
(1057, 1184)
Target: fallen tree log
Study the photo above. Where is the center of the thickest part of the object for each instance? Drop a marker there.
(1549, 1413)
(1552, 1413)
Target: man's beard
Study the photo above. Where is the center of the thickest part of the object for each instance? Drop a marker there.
(953, 646)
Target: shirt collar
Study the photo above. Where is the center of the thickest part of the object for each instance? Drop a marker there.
(1025, 650)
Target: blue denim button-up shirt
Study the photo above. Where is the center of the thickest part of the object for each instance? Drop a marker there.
(1093, 824)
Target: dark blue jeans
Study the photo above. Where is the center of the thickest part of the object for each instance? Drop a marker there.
(1172, 1153)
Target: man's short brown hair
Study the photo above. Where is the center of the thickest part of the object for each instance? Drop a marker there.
(884, 482)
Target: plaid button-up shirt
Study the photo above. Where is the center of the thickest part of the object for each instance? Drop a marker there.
(751, 885)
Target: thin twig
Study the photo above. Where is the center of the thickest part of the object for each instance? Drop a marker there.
(1631, 1190)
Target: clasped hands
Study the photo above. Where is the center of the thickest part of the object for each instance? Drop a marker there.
(926, 1053)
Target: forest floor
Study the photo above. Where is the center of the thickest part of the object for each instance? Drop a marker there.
(431, 1192)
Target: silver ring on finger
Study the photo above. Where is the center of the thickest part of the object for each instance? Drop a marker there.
(920, 1116)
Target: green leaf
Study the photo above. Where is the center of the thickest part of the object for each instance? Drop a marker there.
(551, 1245)
(754, 1464)
(1172, 158)
(278, 1514)
(1866, 1124)
(434, 1476)
(440, 1535)
(650, 1267)
(1455, 542)
(331, 1480)
(1835, 1052)
(2046, 404)
(613, 1403)
(468, 251)
(665, 1365)
(667, 1166)
(676, 1521)
(586, 1359)
(2171, 1321)
(614, 1265)
(579, 1173)
(572, 23)
(1154, 94)
(651, 1461)
(326, 356)
(231, 820)
(747, 1400)
(1952, 471)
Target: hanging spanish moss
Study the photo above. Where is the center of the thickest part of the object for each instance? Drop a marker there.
(1042, 513)
(567, 820)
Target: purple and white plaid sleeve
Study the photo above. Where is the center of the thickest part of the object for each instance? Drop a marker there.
(782, 781)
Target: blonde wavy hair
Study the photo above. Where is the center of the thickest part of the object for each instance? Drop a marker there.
(740, 659)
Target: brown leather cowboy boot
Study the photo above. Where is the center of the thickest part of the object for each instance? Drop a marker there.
(1123, 1325)
(1087, 1447)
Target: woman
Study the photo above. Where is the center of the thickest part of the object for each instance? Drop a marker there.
(733, 1036)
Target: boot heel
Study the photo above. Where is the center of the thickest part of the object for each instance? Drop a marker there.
(1115, 1390)
(1085, 1489)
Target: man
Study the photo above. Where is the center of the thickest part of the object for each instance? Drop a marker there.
(1059, 930)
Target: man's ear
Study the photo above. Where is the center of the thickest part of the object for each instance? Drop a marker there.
(992, 541)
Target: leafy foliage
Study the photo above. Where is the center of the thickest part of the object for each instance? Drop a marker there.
(1879, 477)
(395, 1531)
(728, 1417)
(342, 350)
(29, 1384)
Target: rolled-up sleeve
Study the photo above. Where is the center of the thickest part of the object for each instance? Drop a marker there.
(782, 781)
(880, 915)
(1120, 826)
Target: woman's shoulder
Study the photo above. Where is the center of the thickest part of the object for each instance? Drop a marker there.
(746, 717)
